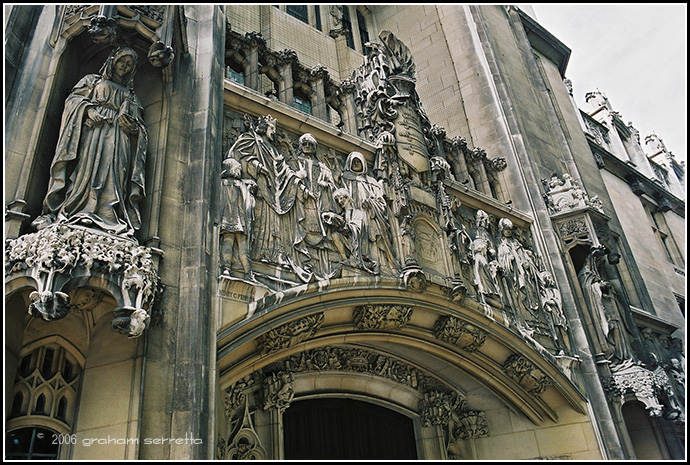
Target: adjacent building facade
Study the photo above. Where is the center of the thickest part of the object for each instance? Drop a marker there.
(330, 232)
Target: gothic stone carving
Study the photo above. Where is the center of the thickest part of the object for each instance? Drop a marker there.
(472, 424)
(278, 391)
(54, 253)
(289, 334)
(520, 370)
(460, 333)
(382, 316)
(359, 361)
(564, 193)
(102, 136)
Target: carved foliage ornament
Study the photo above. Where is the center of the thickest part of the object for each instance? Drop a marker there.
(360, 361)
(460, 333)
(289, 334)
(520, 370)
(382, 316)
(61, 250)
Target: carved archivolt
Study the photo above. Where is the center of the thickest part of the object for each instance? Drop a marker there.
(520, 370)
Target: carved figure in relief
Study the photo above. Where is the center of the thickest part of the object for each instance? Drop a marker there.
(553, 308)
(521, 275)
(314, 196)
(483, 252)
(347, 230)
(276, 193)
(368, 196)
(604, 308)
(97, 173)
(237, 200)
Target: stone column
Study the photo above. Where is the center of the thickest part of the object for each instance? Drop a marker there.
(318, 104)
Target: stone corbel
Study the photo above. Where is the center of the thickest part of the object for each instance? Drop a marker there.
(413, 276)
(58, 253)
(644, 385)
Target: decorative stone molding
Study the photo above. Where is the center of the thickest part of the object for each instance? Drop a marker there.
(289, 334)
(245, 445)
(647, 387)
(359, 361)
(436, 408)
(54, 254)
(471, 424)
(460, 333)
(382, 316)
(278, 391)
(520, 370)
(234, 396)
(563, 193)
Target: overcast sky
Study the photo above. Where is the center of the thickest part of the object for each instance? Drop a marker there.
(636, 54)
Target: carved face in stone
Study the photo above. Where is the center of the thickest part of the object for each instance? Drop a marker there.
(123, 67)
(506, 227)
(308, 144)
(356, 163)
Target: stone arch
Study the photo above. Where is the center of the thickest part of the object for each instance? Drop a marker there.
(457, 342)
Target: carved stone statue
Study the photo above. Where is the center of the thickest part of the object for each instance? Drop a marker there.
(237, 200)
(276, 193)
(314, 197)
(346, 231)
(367, 194)
(606, 315)
(553, 309)
(483, 253)
(521, 276)
(97, 174)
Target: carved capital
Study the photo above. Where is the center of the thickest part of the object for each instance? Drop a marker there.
(436, 408)
(471, 424)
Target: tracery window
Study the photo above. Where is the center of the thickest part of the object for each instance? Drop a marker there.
(46, 384)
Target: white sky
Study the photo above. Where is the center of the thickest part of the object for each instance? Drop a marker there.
(636, 54)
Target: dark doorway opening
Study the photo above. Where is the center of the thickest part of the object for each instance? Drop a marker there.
(345, 429)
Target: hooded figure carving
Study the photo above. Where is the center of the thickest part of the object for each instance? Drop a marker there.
(368, 195)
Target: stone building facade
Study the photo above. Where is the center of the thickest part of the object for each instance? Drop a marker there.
(330, 232)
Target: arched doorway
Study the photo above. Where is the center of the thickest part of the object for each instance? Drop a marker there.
(346, 429)
(643, 434)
